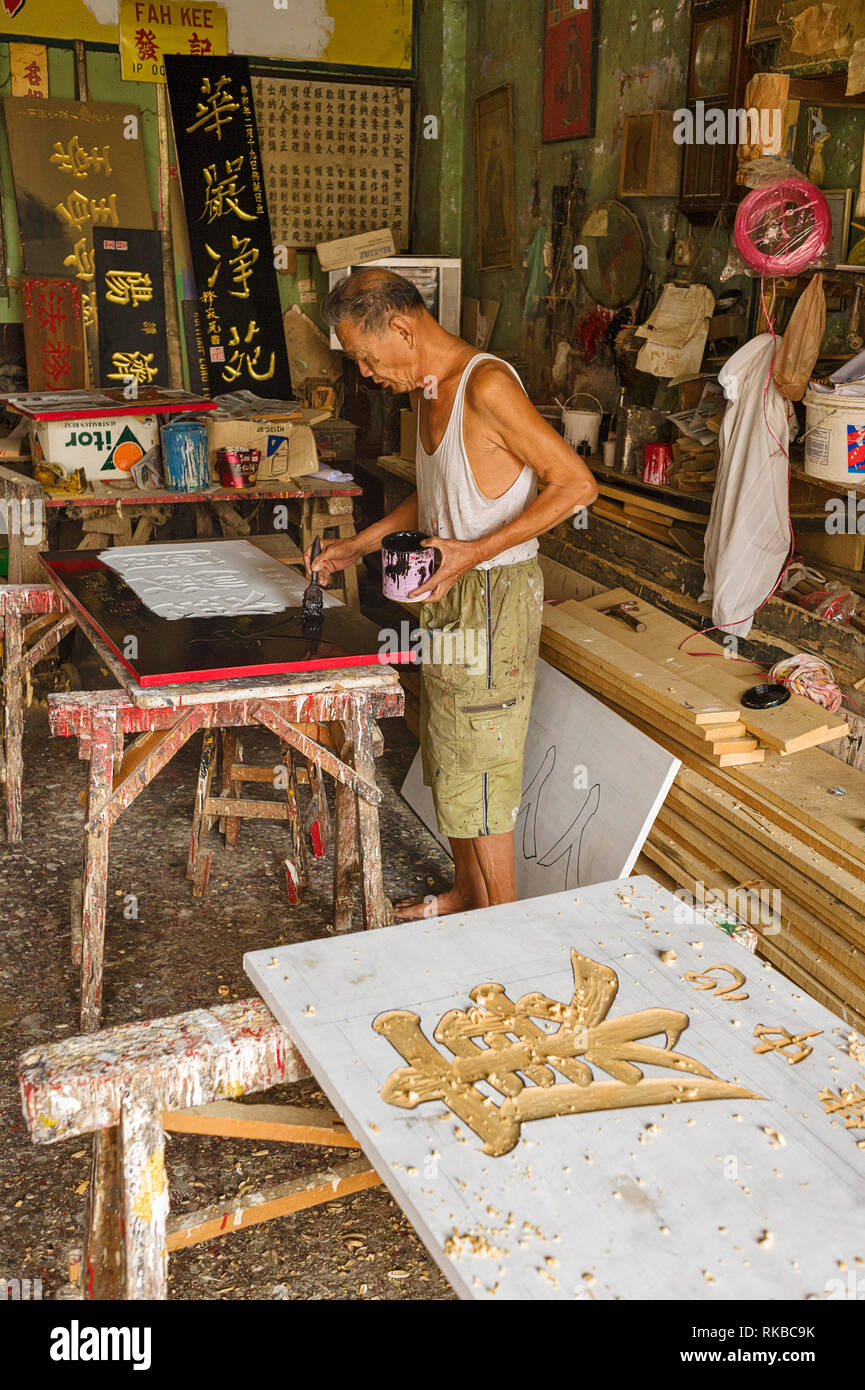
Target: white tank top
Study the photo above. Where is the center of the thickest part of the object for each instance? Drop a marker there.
(450, 503)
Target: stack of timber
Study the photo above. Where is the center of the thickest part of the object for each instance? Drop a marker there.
(776, 833)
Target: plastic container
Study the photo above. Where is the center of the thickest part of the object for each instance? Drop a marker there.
(184, 456)
(582, 427)
(834, 438)
(405, 563)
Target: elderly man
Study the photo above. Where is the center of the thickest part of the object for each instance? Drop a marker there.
(481, 449)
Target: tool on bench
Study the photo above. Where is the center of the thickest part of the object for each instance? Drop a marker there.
(626, 612)
(312, 613)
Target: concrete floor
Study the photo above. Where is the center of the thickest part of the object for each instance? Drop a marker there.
(182, 953)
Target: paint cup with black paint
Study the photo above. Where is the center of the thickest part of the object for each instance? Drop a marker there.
(406, 564)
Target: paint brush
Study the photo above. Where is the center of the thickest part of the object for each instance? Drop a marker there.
(312, 612)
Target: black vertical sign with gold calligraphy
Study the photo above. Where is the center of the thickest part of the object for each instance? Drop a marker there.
(229, 232)
(130, 298)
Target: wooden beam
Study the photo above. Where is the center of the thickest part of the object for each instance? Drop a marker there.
(292, 1124)
(278, 1199)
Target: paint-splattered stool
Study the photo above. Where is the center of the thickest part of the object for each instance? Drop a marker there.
(162, 723)
(127, 1085)
(33, 618)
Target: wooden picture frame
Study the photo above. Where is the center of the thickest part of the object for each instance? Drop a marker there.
(650, 161)
(570, 69)
(494, 157)
(763, 21)
(840, 202)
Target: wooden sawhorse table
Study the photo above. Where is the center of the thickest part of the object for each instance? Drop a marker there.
(127, 1085)
(341, 706)
(37, 615)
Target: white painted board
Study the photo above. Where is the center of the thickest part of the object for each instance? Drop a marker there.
(719, 1199)
(208, 579)
(592, 787)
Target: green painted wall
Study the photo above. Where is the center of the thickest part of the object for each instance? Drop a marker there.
(642, 62)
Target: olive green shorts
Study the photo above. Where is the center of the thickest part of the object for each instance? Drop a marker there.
(479, 659)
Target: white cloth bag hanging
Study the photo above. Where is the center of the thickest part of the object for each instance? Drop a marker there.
(748, 535)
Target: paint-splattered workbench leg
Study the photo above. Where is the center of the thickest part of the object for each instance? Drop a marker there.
(377, 908)
(25, 643)
(102, 750)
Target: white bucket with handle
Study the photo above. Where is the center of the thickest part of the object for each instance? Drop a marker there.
(581, 427)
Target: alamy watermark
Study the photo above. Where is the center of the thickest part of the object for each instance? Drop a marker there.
(465, 647)
(736, 126)
(23, 516)
(752, 906)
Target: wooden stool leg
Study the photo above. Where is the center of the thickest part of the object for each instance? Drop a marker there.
(319, 815)
(345, 857)
(13, 642)
(198, 865)
(104, 1269)
(231, 753)
(95, 877)
(145, 1197)
(296, 861)
(377, 908)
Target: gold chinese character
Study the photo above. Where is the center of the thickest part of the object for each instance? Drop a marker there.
(77, 161)
(849, 1102)
(779, 1039)
(81, 260)
(77, 210)
(221, 195)
(242, 265)
(128, 287)
(88, 308)
(137, 366)
(515, 1047)
(217, 108)
(148, 327)
(703, 980)
(235, 364)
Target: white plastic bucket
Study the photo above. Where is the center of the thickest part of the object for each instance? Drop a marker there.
(834, 438)
(582, 425)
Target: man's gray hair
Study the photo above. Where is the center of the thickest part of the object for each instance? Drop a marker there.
(369, 298)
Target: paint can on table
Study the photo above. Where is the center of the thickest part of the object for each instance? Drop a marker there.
(656, 460)
(581, 428)
(184, 456)
(405, 563)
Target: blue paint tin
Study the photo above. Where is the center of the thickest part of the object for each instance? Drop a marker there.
(185, 456)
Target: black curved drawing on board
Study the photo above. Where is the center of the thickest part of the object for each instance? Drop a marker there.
(569, 844)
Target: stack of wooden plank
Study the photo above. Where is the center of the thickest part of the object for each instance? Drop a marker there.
(694, 467)
(775, 833)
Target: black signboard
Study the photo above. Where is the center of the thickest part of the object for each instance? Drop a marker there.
(130, 306)
(226, 215)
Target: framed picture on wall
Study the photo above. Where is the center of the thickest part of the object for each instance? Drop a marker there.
(840, 202)
(494, 145)
(570, 57)
(763, 21)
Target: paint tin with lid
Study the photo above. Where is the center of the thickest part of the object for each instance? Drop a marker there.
(405, 563)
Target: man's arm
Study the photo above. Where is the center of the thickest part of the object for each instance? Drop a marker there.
(507, 423)
(338, 555)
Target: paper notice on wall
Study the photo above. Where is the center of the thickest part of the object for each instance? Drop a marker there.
(676, 331)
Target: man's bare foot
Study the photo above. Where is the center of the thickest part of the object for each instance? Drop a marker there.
(430, 905)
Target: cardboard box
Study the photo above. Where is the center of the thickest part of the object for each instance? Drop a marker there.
(106, 447)
(408, 435)
(355, 250)
(287, 447)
